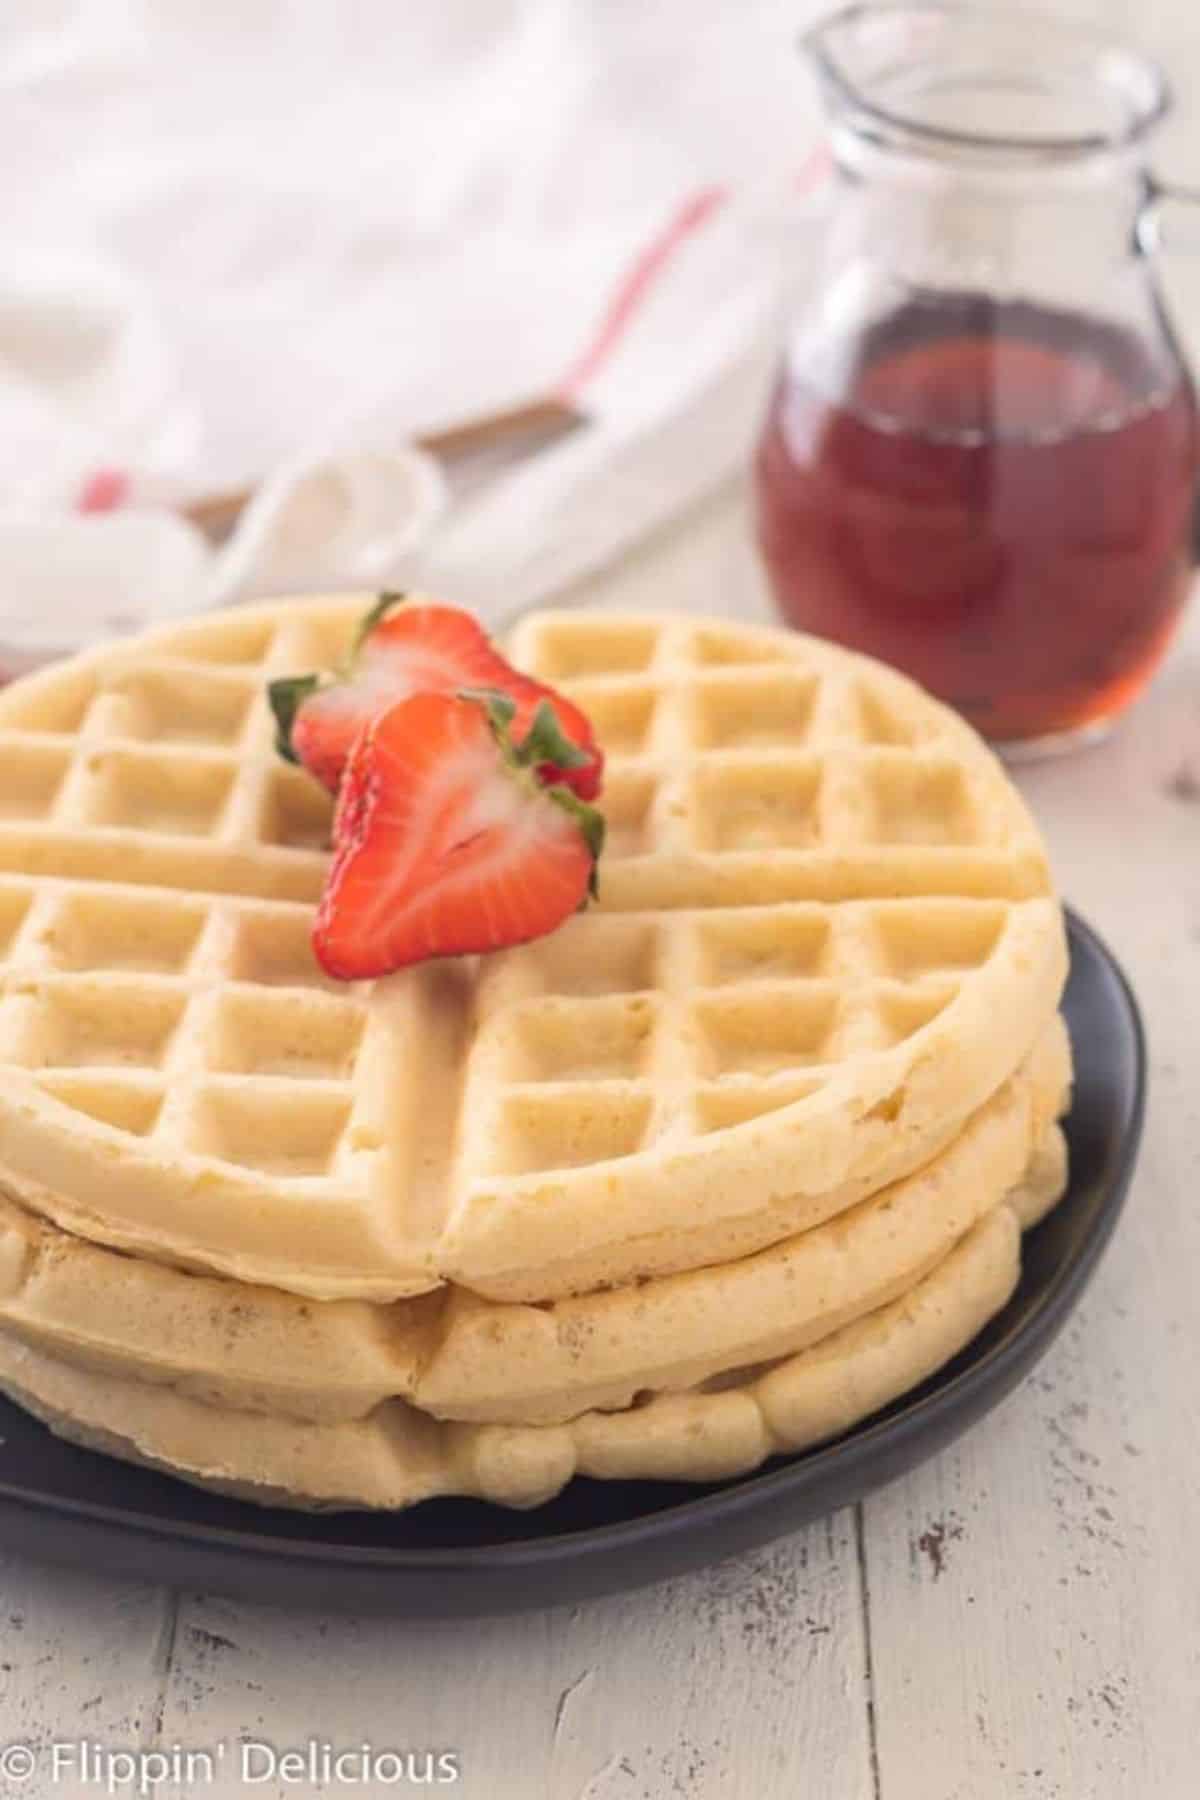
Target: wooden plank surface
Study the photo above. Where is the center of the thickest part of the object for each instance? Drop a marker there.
(80, 1656)
(1034, 1595)
(724, 1683)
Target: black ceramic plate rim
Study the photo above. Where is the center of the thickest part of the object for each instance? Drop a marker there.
(996, 1371)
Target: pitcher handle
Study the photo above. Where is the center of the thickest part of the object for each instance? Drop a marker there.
(1152, 230)
(1159, 199)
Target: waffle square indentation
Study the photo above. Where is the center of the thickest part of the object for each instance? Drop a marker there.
(754, 712)
(783, 1028)
(127, 1106)
(14, 905)
(905, 1013)
(592, 955)
(546, 1130)
(310, 1036)
(880, 721)
(141, 791)
(626, 805)
(201, 707)
(58, 703)
(569, 648)
(758, 805)
(935, 937)
(102, 1025)
(621, 717)
(296, 811)
(156, 933)
(736, 1103)
(273, 947)
(30, 777)
(920, 802)
(291, 1133)
(715, 644)
(590, 1040)
(774, 944)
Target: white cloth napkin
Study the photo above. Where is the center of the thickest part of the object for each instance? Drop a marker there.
(274, 242)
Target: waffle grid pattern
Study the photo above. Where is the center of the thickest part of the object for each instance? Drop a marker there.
(630, 1029)
(456, 1356)
(653, 1032)
(200, 1019)
(807, 863)
(740, 772)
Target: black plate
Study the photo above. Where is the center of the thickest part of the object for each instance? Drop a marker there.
(464, 1557)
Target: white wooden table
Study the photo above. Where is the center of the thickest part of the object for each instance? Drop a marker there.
(1019, 1618)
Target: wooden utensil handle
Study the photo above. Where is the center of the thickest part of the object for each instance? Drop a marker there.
(217, 514)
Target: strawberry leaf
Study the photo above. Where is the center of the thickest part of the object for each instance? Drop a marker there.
(592, 825)
(501, 710)
(287, 696)
(547, 742)
(524, 761)
(375, 616)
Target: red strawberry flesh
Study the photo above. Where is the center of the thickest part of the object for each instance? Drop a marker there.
(410, 648)
(443, 846)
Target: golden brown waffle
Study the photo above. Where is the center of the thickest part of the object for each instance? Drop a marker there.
(460, 1357)
(826, 936)
(1045, 1181)
(398, 1456)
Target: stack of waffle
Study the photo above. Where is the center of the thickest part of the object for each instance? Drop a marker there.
(721, 1167)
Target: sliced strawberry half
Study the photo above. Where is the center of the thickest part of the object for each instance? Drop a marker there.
(447, 840)
(405, 648)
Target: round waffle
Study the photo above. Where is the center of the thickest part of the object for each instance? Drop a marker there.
(397, 1455)
(826, 936)
(457, 1356)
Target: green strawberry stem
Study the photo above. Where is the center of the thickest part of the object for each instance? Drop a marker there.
(547, 742)
(544, 743)
(387, 600)
(287, 695)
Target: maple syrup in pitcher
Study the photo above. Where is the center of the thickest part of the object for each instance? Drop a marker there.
(987, 481)
(999, 503)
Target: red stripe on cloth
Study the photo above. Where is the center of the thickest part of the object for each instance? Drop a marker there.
(652, 261)
(815, 167)
(103, 491)
(637, 282)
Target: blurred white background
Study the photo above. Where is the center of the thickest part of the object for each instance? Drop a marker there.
(241, 232)
(308, 214)
(316, 212)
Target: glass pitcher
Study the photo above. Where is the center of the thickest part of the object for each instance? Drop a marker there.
(980, 459)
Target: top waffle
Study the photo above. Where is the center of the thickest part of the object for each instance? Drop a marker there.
(825, 936)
